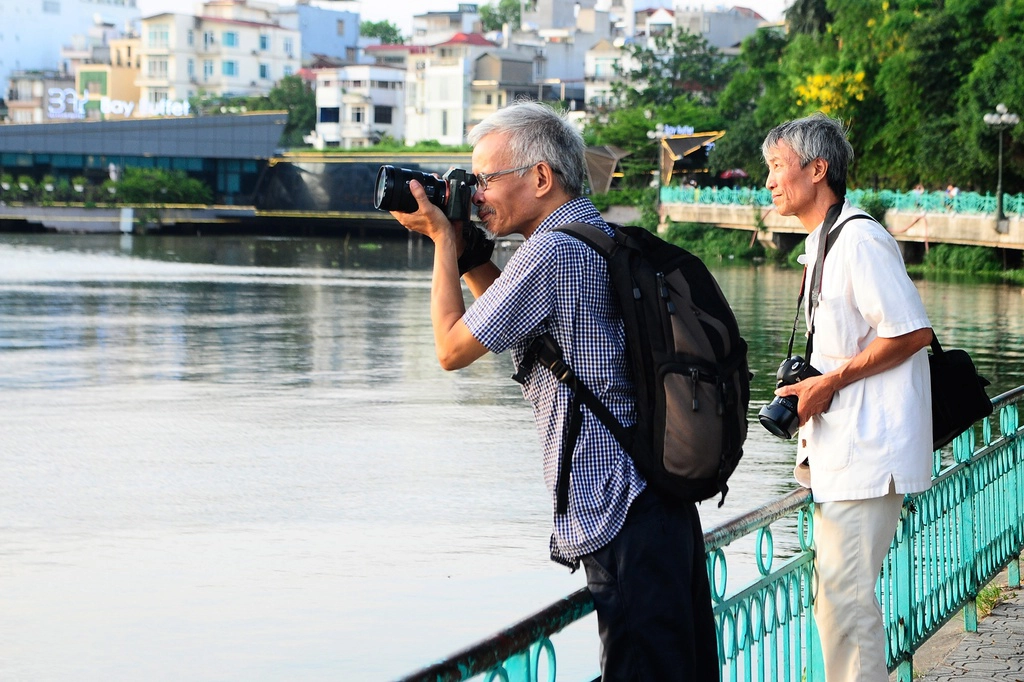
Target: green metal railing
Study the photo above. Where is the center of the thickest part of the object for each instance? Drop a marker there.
(907, 202)
(952, 540)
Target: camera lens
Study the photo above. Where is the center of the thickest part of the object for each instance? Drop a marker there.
(385, 185)
(392, 191)
(780, 416)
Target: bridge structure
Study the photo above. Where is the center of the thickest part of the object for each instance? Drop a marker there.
(927, 218)
(952, 540)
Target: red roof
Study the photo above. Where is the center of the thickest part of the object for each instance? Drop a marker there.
(468, 39)
(411, 49)
(747, 12)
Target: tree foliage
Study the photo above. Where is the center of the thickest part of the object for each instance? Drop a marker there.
(493, 18)
(910, 79)
(388, 32)
(296, 96)
(674, 62)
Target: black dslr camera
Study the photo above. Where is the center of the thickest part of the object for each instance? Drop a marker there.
(780, 416)
(452, 193)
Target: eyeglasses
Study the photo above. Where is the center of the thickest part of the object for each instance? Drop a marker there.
(484, 179)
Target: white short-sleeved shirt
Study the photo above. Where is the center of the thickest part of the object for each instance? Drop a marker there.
(878, 428)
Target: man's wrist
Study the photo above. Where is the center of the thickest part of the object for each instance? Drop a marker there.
(478, 248)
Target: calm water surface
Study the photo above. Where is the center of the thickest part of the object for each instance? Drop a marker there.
(235, 458)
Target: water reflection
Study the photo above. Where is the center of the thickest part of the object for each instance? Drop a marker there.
(234, 457)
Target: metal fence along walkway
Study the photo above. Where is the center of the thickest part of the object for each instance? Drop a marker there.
(951, 541)
(913, 202)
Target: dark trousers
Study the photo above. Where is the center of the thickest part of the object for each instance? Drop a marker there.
(653, 601)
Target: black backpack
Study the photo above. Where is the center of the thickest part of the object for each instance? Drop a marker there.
(688, 363)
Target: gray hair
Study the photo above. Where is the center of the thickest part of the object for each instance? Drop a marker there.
(816, 137)
(536, 133)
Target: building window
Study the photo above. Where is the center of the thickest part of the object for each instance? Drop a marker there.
(229, 68)
(191, 69)
(156, 68)
(264, 42)
(382, 114)
(487, 99)
(264, 71)
(288, 46)
(229, 38)
(330, 115)
(51, 7)
(159, 36)
(357, 115)
(341, 27)
(208, 40)
(288, 71)
(444, 122)
(207, 69)
(190, 37)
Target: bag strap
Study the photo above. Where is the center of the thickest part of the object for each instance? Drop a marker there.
(830, 234)
(545, 349)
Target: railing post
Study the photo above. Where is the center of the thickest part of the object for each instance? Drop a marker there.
(963, 448)
(903, 564)
(815, 662)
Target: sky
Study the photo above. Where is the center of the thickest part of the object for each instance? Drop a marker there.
(400, 12)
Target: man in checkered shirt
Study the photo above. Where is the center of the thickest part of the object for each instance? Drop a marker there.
(643, 552)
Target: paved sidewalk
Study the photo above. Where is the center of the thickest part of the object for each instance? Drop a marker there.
(995, 653)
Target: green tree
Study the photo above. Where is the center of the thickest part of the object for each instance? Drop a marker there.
(385, 30)
(493, 18)
(158, 186)
(677, 62)
(808, 16)
(296, 96)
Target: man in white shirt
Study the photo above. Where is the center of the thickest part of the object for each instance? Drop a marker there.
(865, 423)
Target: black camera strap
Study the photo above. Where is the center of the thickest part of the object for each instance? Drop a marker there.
(826, 240)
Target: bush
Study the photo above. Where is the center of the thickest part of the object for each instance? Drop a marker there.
(708, 241)
(872, 203)
(963, 259)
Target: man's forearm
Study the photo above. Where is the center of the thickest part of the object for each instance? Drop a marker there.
(880, 355)
(446, 303)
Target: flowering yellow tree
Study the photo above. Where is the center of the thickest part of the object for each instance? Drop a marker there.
(832, 93)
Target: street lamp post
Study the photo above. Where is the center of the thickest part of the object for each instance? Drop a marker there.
(1001, 120)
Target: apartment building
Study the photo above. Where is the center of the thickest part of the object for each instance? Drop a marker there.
(32, 33)
(599, 69)
(499, 77)
(434, 28)
(42, 96)
(722, 28)
(233, 47)
(438, 89)
(326, 31)
(358, 104)
(109, 89)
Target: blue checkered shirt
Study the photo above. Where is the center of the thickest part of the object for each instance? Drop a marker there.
(556, 283)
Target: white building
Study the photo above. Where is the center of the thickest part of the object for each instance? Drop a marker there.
(233, 48)
(33, 33)
(358, 104)
(599, 67)
(437, 96)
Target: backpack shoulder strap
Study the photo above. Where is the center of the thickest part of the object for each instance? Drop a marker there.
(545, 350)
(598, 239)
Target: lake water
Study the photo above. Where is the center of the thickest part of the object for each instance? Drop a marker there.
(237, 458)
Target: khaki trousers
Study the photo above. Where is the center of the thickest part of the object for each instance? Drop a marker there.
(851, 540)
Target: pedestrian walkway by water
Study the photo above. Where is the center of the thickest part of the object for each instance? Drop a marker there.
(995, 653)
